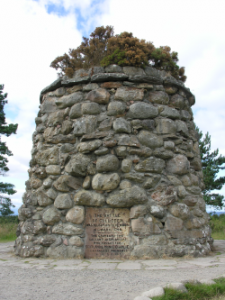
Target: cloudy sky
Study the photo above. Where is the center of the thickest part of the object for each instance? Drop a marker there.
(34, 32)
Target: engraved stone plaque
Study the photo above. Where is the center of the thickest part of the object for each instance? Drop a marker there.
(107, 233)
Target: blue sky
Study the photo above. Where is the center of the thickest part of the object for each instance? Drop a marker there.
(34, 32)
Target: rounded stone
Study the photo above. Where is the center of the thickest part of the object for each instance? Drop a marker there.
(76, 241)
(51, 216)
(75, 215)
(105, 182)
(53, 170)
(125, 184)
(178, 165)
(107, 163)
(126, 165)
(63, 201)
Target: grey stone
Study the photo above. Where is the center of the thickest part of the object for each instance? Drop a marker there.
(100, 96)
(40, 172)
(138, 211)
(47, 240)
(86, 147)
(69, 100)
(53, 170)
(169, 112)
(171, 90)
(207, 281)
(75, 215)
(75, 111)
(157, 211)
(129, 94)
(169, 145)
(142, 110)
(141, 298)
(48, 157)
(155, 292)
(105, 125)
(87, 182)
(164, 195)
(91, 109)
(63, 201)
(177, 101)
(155, 240)
(79, 76)
(60, 138)
(76, 241)
(56, 118)
(127, 197)
(126, 165)
(145, 78)
(133, 71)
(101, 77)
(121, 125)
(144, 226)
(150, 139)
(137, 177)
(124, 184)
(142, 152)
(105, 182)
(65, 182)
(178, 165)
(190, 200)
(57, 252)
(90, 86)
(24, 213)
(114, 69)
(173, 223)
(162, 153)
(39, 227)
(85, 125)
(107, 163)
(66, 127)
(166, 126)
(48, 105)
(101, 151)
(78, 164)
(35, 183)
(89, 198)
(180, 210)
(54, 85)
(116, 108)
(182, 128)
(151, 164)
(148, 124)
(151, 182)
(75, 252)
(43, 199)
(67, 229)
(40, 128)
(185, 116)
(128, 140)
(196, 164)
(158, 97)
(51, 216)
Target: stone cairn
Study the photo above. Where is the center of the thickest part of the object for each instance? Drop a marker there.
(114, 149)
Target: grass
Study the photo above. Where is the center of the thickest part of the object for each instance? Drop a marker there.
(217, 224)
(8, 227)
(197, 292)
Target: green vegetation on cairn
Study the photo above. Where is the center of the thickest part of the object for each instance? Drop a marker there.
(196, 291)
(104, 48)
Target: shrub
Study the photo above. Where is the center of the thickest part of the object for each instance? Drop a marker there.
(104, 48)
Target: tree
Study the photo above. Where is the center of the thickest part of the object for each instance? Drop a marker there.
(104, 48)
(7, 130)
(212, 163)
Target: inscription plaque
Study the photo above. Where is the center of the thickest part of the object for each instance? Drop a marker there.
(107, 233)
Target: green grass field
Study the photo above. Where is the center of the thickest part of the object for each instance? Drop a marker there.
(217, 224)
(197, 292)
(8, 227)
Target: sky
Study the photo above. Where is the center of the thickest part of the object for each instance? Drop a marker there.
(34, 32)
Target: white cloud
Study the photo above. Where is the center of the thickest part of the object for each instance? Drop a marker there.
(32, 38)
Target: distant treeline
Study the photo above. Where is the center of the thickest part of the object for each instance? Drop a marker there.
(9, 219)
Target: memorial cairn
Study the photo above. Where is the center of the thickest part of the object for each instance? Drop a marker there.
(115, 169)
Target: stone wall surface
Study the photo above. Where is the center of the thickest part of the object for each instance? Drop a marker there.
(115, 138)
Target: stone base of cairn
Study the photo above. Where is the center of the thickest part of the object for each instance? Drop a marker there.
(115, 169)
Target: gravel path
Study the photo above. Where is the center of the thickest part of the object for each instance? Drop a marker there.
(98, 279)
